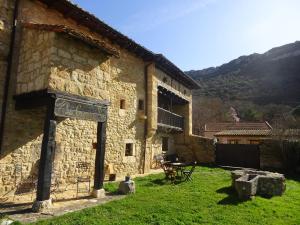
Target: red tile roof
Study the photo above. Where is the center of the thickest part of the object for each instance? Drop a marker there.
(244, 133)
(237, 126)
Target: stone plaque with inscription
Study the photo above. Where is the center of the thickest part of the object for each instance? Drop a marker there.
(80, 110)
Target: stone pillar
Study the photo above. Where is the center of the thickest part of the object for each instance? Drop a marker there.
(148, 154)
(188, 119)
(151, 101)
(98, 191)
(43, 200)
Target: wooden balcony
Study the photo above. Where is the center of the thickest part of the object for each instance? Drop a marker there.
(169, 120)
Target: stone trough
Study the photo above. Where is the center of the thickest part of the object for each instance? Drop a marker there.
(249, 183)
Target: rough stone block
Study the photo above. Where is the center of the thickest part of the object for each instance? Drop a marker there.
(250, 182)
(40, 206)
(127, 187)
(98, 193)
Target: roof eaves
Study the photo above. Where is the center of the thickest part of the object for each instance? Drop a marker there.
(171, 68)
(89, 20)
(73, 34)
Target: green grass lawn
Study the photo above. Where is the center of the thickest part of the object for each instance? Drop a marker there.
(208, 199)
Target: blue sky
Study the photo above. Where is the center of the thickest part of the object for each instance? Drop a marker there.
(195, 34)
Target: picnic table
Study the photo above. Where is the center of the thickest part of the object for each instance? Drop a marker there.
(178, 167)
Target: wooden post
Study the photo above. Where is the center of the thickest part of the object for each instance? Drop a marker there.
(47, 153)
(100, 156)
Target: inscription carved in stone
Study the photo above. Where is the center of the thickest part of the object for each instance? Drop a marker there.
(80, 110)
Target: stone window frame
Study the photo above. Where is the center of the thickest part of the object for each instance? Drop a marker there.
(132, 142)
(122, 104)
(141, 104)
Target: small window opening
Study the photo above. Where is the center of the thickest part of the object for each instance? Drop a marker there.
(122, 104)
(141, 104)
(129, 149)
(165, 144)
(234, 142)
(165, 80)
(254, 142)
(184, 91)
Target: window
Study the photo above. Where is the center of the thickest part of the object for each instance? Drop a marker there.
(165, 144)
(122, 104)
(165, 80)
(184, 91)
(254, 142)
(129, 149)
(141, 104)
(234, 142)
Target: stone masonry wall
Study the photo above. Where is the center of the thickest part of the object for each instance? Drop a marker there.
(6, 19)
(240, 139)
(74, 145)
(34, 60)
(63, 64)
(80, 70)
(195, 148)
(23, 129)
(22, 147)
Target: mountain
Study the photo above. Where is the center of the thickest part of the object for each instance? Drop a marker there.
(272, 77)
(259, 86)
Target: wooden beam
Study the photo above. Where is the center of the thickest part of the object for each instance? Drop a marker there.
(47, 154)
(100, 156)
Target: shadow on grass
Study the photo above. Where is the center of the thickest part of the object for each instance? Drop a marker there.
(294, 177)
(232, 197)
(163, 181)
(113, 193)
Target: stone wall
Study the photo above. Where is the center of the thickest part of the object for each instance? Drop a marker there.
(80, 70)
(57, 62)
(23, 129)
(22, 147)
(75, 68)
(240, 139)
(157, 146)
(74, 145)
(6, 20)
(34, 60)
(195, 148)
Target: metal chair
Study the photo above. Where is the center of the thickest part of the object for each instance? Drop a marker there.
(158, 158)
(188, 173)
(55, 188)
(83, 167)
(168, 170)
(24, 186)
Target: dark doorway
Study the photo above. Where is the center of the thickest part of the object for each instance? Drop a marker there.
(165, 144)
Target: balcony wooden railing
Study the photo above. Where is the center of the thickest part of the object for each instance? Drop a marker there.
(169, 119)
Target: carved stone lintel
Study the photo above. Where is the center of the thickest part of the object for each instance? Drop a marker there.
(98, 193)
(80, 110)
(40, 206)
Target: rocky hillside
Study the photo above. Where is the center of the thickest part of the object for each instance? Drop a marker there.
(259, 86)
(272, 77)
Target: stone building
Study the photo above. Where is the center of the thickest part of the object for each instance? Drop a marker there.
(74, 91)
(238, 132)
